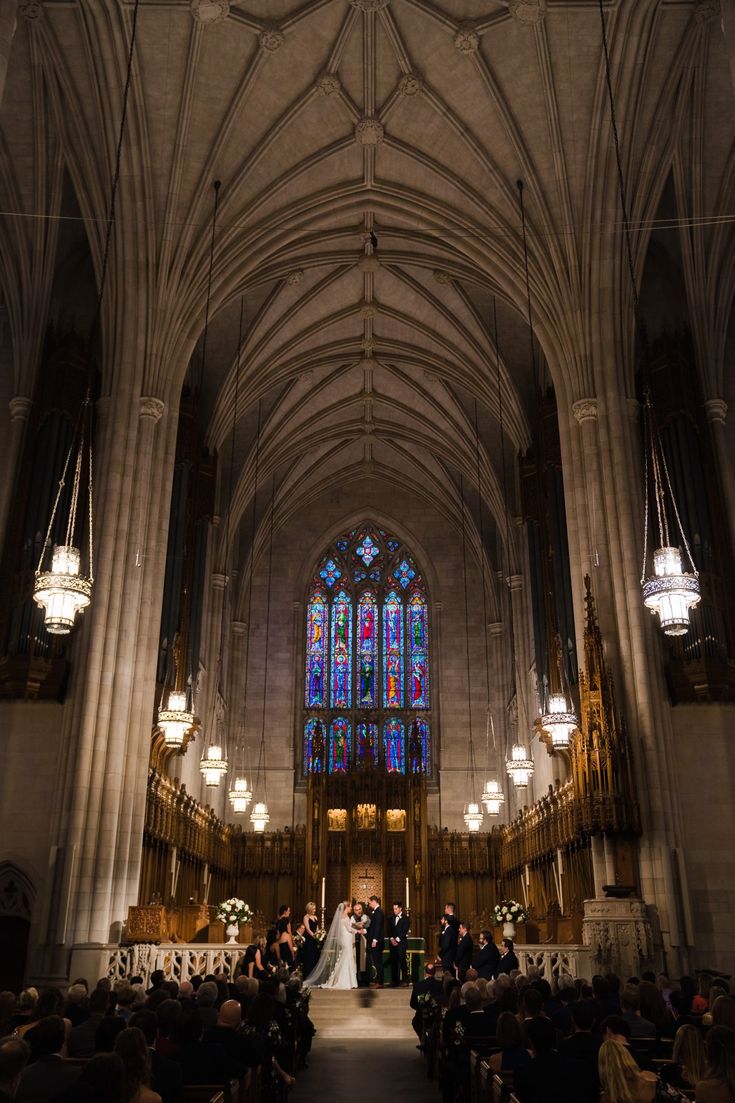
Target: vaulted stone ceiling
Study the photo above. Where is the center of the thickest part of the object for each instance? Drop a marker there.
(329, 121)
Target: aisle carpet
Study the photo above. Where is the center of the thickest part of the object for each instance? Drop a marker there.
(344, 1070)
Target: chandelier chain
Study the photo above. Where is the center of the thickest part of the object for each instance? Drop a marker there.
(470, 756)
(261, 756)
(252, 553)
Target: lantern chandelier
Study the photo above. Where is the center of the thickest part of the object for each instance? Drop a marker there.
(213, 766)
(175, 720)
(670, 591)
(492, 797)
(519, 766)
(240, 796)
(559, 720)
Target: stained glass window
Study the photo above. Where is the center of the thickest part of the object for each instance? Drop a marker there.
(393, 652)
(316, 652)
(341, 651)
(339, 746)
(419, 747)
(315, 746)
(366, 750)
(367, 645)
(367, 687)
(393, 747)
(418, 629)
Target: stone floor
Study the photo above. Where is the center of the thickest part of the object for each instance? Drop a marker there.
(349, 1070)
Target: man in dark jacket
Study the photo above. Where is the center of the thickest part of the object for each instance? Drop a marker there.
(376, 939)
(447, 944)
(166, 1075)
(81, 1038)
(14, 1054)
(49, 1075)
(489, 957)
(532, 1083)
(429, 986)
(398, 940)
(579, 1056)
(465, 948)
(245, 1051)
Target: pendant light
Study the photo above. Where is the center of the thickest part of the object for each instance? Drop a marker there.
(213, 764)
(259, 817)
(64, 590)
(669, 591)
(559, 720)
(175, 720)
(472, 812)
(240, 795)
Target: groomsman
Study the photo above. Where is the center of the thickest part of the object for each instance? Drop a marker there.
(489, 957)
(398, 946)
(376, 939)
(465, 948)
(447, 944)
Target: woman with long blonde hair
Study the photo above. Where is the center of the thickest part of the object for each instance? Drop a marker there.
(687, 1059)
(621, 1079)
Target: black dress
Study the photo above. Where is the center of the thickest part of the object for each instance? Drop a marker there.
(284, 949)
(310, 949)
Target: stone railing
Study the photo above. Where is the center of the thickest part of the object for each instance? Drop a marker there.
(180, 961)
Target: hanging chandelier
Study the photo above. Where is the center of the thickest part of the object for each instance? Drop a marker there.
(240, 796)
(259, 816)
(473, 816)
(175, 720)
(213, 766)
(492, 797)
(559, 722)
(519, 766)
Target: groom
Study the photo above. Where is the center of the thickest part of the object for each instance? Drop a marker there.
(376, 939)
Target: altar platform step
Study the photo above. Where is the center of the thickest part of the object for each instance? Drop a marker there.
(362, 1013)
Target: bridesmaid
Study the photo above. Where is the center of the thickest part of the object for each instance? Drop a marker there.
(285, 939)
(311, 946)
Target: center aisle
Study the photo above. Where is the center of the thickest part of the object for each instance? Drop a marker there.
(364, 1045)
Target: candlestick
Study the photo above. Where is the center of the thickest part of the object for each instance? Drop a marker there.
(407, 900)
(324, 880)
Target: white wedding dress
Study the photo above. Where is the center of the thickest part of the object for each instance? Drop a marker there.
(336, 967)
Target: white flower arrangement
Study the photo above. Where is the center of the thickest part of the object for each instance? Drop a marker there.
(510, 911)
(234, 911)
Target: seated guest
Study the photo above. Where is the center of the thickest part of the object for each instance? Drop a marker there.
(102, 1080)
(430, 987)
(465, 948)
(530, 1004)
(687, 1059)
(700, 1003)
(531, 1082)
(167, 1014)
(508, 960)
(7, 1008)
(621, 1079)
(125, 998)
(579, 1055)
(506, 996)
(475, 1020)
(49, 1074)
(489, 956)
(81, 1042)
(718, 1083)
(567, 997)
(157, 979)
(201, 1062)
(509, 1036)
(630, 1004)
(244, 1051)
(131, 1047)
(166, 1076)
(653, 1008)
(107, 1032)
(723, 1012)
(186, 995)
(27, 1001)
(50, 1002)
(77, 1005)
(206, 1003)
(14, 1054)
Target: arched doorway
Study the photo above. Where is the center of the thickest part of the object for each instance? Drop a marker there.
(16, 906)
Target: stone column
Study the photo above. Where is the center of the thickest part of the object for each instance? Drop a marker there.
(217, 583)
(523, 692)
(499, 692)
(716, 410)
(727, 9)
(20, 409)
(8, 9)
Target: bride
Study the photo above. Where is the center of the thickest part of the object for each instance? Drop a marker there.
(336, 967)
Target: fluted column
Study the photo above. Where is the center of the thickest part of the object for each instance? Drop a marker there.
(8, 16)
(499, 693)
(727, 9)
(217, 583)
(519, 613)
(716, 410)
(19, 409)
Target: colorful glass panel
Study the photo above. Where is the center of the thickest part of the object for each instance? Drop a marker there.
(315, 746)
(419, 748)
(316, 652)
(393, 652)
(405, 573)
(367, 550)
(393, 747)
(330, 572)
(341, 651)
(418, 643)
(367, 744)
(367, 646)
(339, 746)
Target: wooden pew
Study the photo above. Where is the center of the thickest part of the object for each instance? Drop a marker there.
(214, 1093)
(479, 1052)
(502, 1087)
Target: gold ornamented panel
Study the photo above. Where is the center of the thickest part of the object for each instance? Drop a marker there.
(395, 819)
(366, 817)
(337, 819)
(366, 880)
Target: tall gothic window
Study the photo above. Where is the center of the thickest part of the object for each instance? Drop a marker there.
(367, 678)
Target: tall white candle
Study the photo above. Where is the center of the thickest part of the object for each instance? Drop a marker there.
(323, 889)
(407, 900)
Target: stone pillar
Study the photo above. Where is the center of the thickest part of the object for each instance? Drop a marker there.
(499, 692)
(526, 711)
(716, 410)
(20, 409)
(8, 9)
(619, 935)
(217, 583)
(598, 865)
(727, 9)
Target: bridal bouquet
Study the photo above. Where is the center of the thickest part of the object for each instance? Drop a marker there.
(508, 911)
(234, 911)
(320, 935)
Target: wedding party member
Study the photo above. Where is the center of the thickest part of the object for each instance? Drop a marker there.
(360, 925)
(376, 936)
(447, 944)
(508, 959)
(336, 967)
(310, 950)
(465, 948)
(489, 957)
(398, 939)
(285, 939)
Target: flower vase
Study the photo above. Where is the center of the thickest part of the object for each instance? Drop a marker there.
(509, 930)
(233, 930)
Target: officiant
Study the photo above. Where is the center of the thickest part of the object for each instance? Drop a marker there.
(361, 922)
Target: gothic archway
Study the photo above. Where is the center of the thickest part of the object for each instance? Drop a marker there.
(17, 897)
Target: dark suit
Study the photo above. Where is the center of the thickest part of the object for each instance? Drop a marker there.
(376, 934)
(579, 1065)
(488, 961)
(166, 1078)
(81, 1038)
(45, 1078)
(508, 962)
(398, 929)
(448, 947)
(429, 985)
(463, 961)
